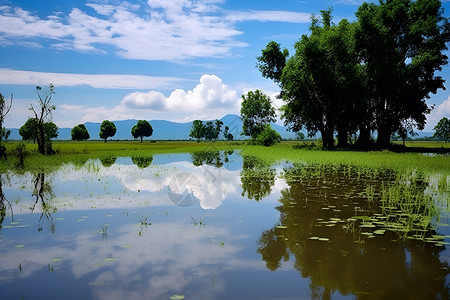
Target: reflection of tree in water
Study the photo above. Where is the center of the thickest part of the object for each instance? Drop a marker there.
(344, 260)
(44, 193)
(142, 162)
(211, 158)
(257, 178)
(4, 203)
(108, 161)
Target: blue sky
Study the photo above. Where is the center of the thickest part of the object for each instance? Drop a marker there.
(177, 60)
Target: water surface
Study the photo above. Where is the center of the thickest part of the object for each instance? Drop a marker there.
(214, 225)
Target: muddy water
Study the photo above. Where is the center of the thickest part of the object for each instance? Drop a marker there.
(214, 225)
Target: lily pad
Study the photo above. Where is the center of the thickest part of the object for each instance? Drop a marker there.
(380, 231)
(324, 239)
(176, 297)
(110, 259)
(57, 259)
(19, 246)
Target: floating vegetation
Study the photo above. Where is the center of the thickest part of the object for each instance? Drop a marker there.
(176, 297)
(143, 220)
(110, 259)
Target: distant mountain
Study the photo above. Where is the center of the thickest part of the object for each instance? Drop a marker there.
(162, 130)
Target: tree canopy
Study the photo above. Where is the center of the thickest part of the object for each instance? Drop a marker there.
(107, 129)
(29, 130)
(80, 133)
(442, 129)
(141, 129)
(256, 112)
(372, 75)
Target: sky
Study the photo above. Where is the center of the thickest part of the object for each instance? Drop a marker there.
(176, 60)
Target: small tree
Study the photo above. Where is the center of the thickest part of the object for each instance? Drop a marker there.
(268, 136)
(80, 133)
(141, 129)
(256, 112)
(42, 116)
(197, 130)
(107, 129)
(442, 129)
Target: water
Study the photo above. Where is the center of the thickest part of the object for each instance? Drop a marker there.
(213, 225)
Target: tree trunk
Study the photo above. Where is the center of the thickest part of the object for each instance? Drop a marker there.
(142, 138)
(342, 138)
(105, 140)
(384, 137)
(327, 138)
(364, 137)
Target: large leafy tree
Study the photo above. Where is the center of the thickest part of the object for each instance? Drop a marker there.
(402, 44)
(442, 129)
(320, 82)
(197, 130)
(141, 129)
(80, 133)
(256, 112)
(43, 115)
(107, 129)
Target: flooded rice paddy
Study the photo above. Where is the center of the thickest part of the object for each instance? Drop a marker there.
(215, 225)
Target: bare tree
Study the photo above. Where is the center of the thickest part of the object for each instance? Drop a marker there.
(43, 115)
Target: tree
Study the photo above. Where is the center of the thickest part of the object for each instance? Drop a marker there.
(442, 129)
(272, 61)
(107, 129)
(42, 116)
(268, 136)
(80, 133)
(217, 129)
(401, 43)
(256, 111)
(228, 136)
(320, 82)
(5, 107)
(141, 129)
(29, 130)
(209, 131)
(197, 130)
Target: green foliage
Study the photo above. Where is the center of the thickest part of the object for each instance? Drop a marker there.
(272, 61)
(442, 129)
(374, 74)
(28, 131)
(268, 136)
(80, 133)
(107, 129)
(256, 112)
(142, 129)
(197, 130)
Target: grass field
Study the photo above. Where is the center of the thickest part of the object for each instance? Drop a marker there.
(80, 152)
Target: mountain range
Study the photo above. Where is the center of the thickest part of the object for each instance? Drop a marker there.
(162, 130)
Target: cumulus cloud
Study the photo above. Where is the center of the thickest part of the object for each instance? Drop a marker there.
(210, 93)
(442, 110)
(156, 30)
(109, 81)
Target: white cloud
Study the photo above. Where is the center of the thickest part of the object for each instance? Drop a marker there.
(109, 81)
(156, 30)
(270, 16)
(210, 93)
(442, 110)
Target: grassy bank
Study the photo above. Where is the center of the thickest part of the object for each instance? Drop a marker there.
(80, 152)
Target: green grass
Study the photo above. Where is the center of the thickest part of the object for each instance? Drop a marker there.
(80, 152)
